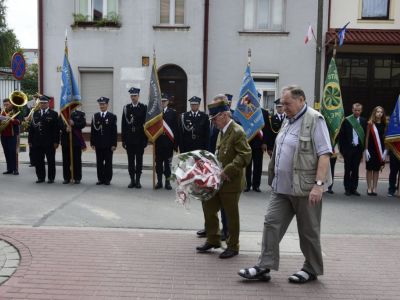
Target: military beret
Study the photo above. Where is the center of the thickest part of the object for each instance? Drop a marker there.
(44, 98)
(278, 102)
(103, 100)
(229, 97)
(194, 100)
(134, 91)
(217, 107)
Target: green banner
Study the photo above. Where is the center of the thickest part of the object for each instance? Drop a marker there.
(332, 105)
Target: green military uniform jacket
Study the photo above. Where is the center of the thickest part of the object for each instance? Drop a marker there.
(234, 152)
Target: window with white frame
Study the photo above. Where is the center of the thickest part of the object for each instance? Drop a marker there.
(172, 12)
(95, 10)
(267, 87)
(264, 14)
(375, 9)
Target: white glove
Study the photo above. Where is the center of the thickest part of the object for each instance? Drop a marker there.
(384, 155)
(367, 155)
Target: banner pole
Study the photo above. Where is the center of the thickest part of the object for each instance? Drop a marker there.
(71, 152)
(153, 164)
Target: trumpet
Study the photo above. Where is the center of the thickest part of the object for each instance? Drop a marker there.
(18, 99)
(35, 107)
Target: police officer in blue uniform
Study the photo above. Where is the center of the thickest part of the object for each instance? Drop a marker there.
(134, 140)
(194, 128)
(103, 139)
(166, 143)
(44, 138)
(75, 125)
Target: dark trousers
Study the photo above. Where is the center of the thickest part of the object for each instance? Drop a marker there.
(254, 168)
(163, 161)
(104, 158)
(31, 156)
(135, 159)
(352, 161)
(77, 162)
(333, 163)
(394, 171)
(9, 144)
(39, 153)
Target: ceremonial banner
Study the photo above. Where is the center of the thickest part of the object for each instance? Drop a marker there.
(332, 106)
(248, 110)
(154, 120)
(392, 138)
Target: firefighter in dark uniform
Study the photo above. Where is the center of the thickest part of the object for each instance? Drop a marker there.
(75, 125)
(44, 137)
(259, 144)
(166, 143)
(134, 140)
(276, 123)
(194, 128)
(103, 139)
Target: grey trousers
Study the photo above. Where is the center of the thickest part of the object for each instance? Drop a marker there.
(280, 213)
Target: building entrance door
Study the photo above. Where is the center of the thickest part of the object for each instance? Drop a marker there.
(173, 81)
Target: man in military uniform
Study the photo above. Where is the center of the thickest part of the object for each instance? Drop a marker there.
(234, 153)
(103, 139)
(194, 128)
(166, 143)
(276, 123)
(74, 126)
(259, 144)
(9, 137)
(134, 140)
(44, 138)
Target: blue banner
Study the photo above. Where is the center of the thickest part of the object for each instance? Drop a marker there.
(392, 137)
(248, 110)
(70, 97)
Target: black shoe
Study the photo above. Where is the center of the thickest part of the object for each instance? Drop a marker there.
(39, 180)
(201, 233)
(247, 190)
(158, 185)
(374, 194)
(206, 246)
(7, 172)
(65, 182)
(168, 185)
(355, 193)
(106, 183)
(347, 193)
(99, 182)
(15, 173)
(131, 185)
(138, 185)
(257, 189)
(77, 181)
(330, 191)
(50, 181)
(228, 253)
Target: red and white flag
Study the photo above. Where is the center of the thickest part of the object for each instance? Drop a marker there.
(310, 34)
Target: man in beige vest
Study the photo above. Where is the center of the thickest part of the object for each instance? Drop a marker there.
(298, 174)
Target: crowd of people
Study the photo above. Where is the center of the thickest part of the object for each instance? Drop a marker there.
(296, 138)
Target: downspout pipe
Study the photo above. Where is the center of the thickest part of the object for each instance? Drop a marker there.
(205, 51)
(318, 56)
(40, 36)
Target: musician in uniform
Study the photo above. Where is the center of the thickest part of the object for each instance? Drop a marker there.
(75, 125)
(194, 128)
(134, 140)
(44, 138)
(9, 136)
(103, 139)
(166, 143)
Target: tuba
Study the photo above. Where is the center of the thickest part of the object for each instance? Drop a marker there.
(18, 99)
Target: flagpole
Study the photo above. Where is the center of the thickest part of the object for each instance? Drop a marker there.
(71, 152)
(154, 143)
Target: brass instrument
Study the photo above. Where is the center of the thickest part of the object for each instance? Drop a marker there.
(35, 107)
(18, 99)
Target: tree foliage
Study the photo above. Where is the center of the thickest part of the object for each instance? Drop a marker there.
(8, 40)
(29, 84)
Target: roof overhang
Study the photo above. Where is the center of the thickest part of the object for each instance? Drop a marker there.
(365, 36)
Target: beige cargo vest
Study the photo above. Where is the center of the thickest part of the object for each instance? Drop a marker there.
(305, 159)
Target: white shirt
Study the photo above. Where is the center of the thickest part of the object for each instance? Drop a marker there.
(103, 114)
(226, 127)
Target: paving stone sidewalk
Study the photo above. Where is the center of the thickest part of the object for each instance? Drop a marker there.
(73, 263)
